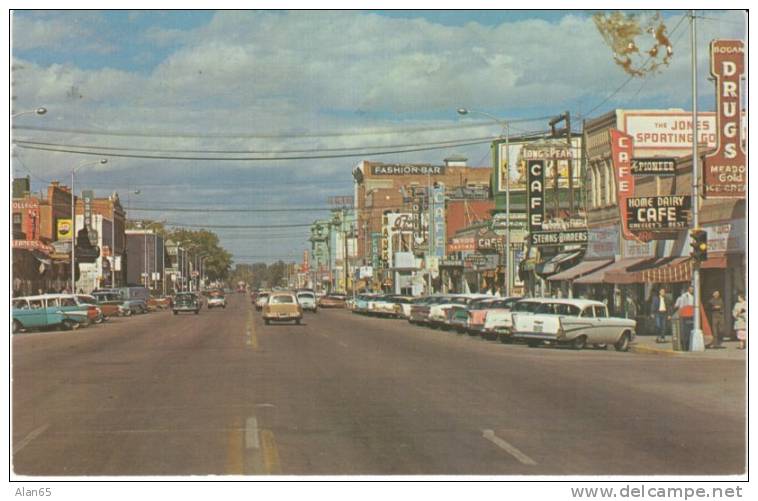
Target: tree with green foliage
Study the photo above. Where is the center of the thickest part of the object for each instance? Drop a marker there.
(218, 262)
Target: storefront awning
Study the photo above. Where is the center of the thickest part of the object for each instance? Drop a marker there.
(618, 268)
(553, 265)
(667, 270)
(581, 269)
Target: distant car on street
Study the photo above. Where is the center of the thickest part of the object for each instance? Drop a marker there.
(307, 300)
(260, 300)
(332, 301)
(216, 300)
(282, 307)
(186, 302)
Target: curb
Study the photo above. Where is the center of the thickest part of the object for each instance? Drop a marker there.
(636, 348)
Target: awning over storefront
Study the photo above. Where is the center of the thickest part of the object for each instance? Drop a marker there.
(616, 269)
(667, 270)
(581, 269)
(554, 264)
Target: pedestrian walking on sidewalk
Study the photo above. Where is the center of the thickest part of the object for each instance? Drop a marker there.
(661, 311)
(739, 312)
(716, 311)
(685, 313)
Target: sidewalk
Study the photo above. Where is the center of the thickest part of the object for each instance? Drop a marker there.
(647, 344)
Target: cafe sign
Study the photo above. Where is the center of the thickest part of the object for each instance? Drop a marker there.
(536, 194)
(725, 170)
(621, 152)
(655, 214)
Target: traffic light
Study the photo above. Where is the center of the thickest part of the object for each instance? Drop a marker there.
(699, 244)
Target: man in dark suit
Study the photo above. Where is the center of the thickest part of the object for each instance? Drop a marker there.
(660, 310)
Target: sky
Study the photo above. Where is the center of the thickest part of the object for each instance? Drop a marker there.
(304, 84)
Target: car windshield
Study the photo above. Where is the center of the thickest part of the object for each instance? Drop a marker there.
(185, 297)
(306, 295)
(87, 300)
(282, 299)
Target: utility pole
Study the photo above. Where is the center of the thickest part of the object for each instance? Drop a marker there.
(570, 164)
(697, 343)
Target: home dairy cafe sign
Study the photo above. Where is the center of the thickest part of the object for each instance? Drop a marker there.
(662, 213)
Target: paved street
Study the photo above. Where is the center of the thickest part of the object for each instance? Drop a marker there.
(220, 393)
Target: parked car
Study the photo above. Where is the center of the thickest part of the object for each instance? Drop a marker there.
(186, 302)
(217, 300)
(403, 304)
(476, 313)
(113, 297)
(282, 307)
(420, 309)
(158, 303)
(362, 302)
(307, 300)
(111, 304)
(573, 322)
(260, 300)
(438, 317)
(499, 322)
(332, 301)
(48, 310)
(94, 312)
(133, 298)
(385, 306)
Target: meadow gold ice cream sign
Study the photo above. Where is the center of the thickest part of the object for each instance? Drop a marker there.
(725, 170)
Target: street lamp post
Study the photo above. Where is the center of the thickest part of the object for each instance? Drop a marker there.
(102, 161)
(506, 127)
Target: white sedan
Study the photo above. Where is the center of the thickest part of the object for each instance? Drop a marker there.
(573, 322)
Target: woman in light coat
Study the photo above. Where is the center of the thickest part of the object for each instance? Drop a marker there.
(739, 312)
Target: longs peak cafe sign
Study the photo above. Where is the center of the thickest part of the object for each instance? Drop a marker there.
(725, 171)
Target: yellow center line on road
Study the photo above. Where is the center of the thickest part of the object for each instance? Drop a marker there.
(270, 453)
(250, 335)
(234, 453)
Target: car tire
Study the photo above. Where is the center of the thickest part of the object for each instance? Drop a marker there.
(579, 343)
(99, 320)
(623, 343)
(128, 313)
(17, 326)
(297, 322)
(176, 312)
(267, 321)
(197, 311)
(70, 325)
(533, 344)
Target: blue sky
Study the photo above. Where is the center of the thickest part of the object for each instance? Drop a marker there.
(282, 78)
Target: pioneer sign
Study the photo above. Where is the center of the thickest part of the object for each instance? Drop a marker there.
(725, 170)
(653, 166)
(663, 213)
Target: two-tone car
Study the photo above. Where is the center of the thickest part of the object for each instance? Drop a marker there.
(261, 299)
(332, 301)
(498, 322)
(282, 307)
(573, 322)
(112, 305)
(49, 310)
(186, 302)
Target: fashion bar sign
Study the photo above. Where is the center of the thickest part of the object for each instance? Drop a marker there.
(664, 213)
(621, 151)
(535, 204)
(408, 170)
(559, 237)
(726, 170)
